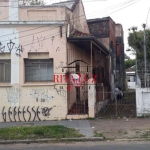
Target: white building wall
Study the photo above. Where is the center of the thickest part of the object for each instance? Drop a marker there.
(131, 85)
(143, 101)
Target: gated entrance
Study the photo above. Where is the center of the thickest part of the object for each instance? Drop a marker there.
(77, 85)
(119, 107)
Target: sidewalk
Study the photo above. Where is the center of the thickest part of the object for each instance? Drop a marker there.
(122, 128)
(125, 128)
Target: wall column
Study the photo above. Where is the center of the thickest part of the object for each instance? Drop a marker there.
(91, 98)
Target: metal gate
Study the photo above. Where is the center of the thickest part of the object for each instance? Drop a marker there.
(120, 106)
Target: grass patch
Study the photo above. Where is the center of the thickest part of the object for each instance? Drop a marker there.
(146, 135)
(96, 134)
(37, 132)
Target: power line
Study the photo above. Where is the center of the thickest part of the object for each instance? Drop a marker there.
(50, 37)
(125, 6)
(45, 38)
(57, 27)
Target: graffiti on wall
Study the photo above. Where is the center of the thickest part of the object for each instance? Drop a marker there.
(27, 113)
(57, 49)
(60, 65)
(10, 45)
(41, 95)
(61, 92)
(38, 43)
(13, 95)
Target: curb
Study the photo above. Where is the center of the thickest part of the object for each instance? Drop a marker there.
(52, 140)
(139, 139)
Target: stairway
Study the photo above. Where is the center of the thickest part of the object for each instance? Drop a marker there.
(79, 107)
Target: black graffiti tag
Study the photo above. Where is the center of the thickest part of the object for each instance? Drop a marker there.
(4, 114)
(13, 112)
(46, 111)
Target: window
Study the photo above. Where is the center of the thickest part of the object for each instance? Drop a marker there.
(38, 70)
(5, 70)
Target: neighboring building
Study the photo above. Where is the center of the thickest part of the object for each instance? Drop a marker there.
(120, 67)
(131, 78)
(111, 35)
(39, 47)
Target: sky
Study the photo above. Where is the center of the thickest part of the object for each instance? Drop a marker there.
(129, 13)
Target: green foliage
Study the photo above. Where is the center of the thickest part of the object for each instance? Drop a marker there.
(35, 132)
(136, 42)
(37, 2)
(32, 2)
(129, 63)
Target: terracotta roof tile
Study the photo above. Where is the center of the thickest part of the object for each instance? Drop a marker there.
(77, 33)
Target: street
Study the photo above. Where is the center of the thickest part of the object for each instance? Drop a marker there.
(80, 146)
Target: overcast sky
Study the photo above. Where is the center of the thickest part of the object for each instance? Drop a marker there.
(126, 12)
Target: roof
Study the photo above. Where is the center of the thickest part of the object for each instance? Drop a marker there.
(98, 19)
(77, 33)
(131, 69)
(69, 4)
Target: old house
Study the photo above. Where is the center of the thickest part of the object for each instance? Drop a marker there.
(45, 53)
(111, 35)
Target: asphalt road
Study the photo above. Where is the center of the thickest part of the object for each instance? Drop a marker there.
(80, 146)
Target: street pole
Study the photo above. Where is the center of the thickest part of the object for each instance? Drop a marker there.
(136, 68)
(145, 61)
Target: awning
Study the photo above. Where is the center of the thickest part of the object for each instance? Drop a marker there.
(85, 43)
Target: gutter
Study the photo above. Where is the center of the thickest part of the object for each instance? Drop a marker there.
(32, 22)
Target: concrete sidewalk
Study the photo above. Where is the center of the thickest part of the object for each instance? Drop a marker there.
(126, 128)
(122, 128)
(83, 126)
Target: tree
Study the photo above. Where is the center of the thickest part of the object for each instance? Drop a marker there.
(136, 42)
(129, 63)
(31, 2)
(126, 56)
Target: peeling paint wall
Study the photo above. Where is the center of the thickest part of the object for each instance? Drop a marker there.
(75, 53)
(32, 101)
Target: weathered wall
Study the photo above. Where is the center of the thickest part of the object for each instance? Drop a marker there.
(32, 101)
(35, 103)
(143, 101)
(75, 53)
(79, 18)
(120, 56)
(38, 13)
(8, 13)
(44, 96)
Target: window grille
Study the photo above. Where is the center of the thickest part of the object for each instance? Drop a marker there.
(38, 70)
(5, 70)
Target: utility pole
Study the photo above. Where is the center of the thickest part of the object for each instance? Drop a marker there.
(145, 61)
(134, 29)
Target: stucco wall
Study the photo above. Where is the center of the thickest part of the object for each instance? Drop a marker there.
(79, 18)
(75, 53)
(41, 13)
(143, 101)
(33, 101)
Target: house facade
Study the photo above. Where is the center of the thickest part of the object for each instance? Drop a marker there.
(111, 35)
(41, 49)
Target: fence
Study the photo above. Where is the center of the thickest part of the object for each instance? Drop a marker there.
(143, 75)
(117, 105)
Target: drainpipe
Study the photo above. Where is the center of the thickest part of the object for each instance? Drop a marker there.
(68, 30)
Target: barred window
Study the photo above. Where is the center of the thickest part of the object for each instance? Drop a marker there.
(38, 70)
(5, 70)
